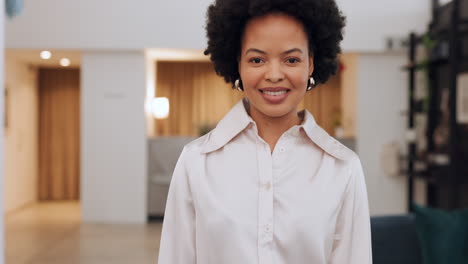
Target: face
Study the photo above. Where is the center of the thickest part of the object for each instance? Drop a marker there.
(275, 65)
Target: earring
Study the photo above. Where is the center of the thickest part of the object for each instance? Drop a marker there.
(238, 85)
(311, 83)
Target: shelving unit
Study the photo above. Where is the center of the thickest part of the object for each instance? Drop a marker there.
(439, 155)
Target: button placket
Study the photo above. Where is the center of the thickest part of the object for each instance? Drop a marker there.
(265, 204)
(280, 156)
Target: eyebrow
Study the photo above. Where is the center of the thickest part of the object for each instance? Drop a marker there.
(263, 52)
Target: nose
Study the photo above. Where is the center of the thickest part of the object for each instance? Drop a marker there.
(274, 72)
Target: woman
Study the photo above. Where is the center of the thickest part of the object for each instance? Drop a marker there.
(268, 185)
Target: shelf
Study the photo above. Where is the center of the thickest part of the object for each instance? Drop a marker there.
(447, 36)
(441, 175)
(424, 64)
(444, 33)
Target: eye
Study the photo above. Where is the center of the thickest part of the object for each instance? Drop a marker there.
(292, 60)
(256, 60)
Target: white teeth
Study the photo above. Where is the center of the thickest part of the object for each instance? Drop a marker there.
(275, 93)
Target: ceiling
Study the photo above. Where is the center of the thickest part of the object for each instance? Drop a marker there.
(32, 57)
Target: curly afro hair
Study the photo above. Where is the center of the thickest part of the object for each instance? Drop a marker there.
(226, 21)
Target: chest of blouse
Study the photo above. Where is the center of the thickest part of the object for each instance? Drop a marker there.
(259, 202)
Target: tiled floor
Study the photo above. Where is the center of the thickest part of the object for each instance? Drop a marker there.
(51, 233)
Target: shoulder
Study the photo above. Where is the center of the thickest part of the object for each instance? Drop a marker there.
(189, 158)
(194, 148)
(323, 140)
(329, 144)
(345, 158)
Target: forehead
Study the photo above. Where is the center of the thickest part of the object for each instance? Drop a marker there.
(274, 31)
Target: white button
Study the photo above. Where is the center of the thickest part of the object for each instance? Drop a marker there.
(266, 186)
(281, 149)
(267, 228)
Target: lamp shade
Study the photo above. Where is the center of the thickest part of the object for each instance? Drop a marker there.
(160, 107)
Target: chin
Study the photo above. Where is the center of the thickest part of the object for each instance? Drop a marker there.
(277, 111)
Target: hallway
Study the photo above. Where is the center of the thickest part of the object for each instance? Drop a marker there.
(51, 233)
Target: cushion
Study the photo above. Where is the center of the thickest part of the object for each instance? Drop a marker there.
(163, 154)
(443, 235)
(394, 240)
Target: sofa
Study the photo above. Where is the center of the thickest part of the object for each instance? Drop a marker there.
(394, 240)
(163, 153)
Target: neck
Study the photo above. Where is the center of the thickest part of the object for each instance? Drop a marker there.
(270, 129)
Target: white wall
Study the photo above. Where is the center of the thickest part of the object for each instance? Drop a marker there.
(150, 94)
(113, 137)
(109, 24)
(123, 24)
(370, 22)
(21, 143)
(382, 96)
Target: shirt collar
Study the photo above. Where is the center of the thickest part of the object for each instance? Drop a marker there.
(238, 119)
(235, 121)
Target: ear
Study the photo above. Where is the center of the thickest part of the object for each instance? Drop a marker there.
(311, 64)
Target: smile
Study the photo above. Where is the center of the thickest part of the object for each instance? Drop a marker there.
(275, 93)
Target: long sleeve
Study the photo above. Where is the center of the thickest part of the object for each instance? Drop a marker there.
(352, 244)
(178, 232)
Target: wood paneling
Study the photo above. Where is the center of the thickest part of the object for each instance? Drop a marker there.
(59, 134)
(324, 102)
(198, 96)
(349, 90)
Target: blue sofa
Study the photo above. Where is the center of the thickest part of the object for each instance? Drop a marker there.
(394, 240)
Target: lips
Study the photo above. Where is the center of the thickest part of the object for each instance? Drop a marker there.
(274, 89)
(274, 95)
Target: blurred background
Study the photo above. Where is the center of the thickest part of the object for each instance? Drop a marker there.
(100, 97)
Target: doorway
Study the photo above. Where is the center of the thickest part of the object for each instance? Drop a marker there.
(59, 134)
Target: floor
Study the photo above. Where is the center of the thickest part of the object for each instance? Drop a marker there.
(51, 233)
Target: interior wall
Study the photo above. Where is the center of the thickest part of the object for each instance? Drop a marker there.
(113, 137)
(382, 98)
(150, 66)
(324, 102)
(197, 96)
(20, 139)
(113, 25)
(349, 93)
(369, 22)
(123, 24)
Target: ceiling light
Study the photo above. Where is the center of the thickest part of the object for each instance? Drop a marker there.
(65, 62)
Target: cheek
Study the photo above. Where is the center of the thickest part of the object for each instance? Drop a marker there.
(299, 79)
(251, 78)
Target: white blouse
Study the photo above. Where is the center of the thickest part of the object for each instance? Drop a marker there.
(232, 201)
